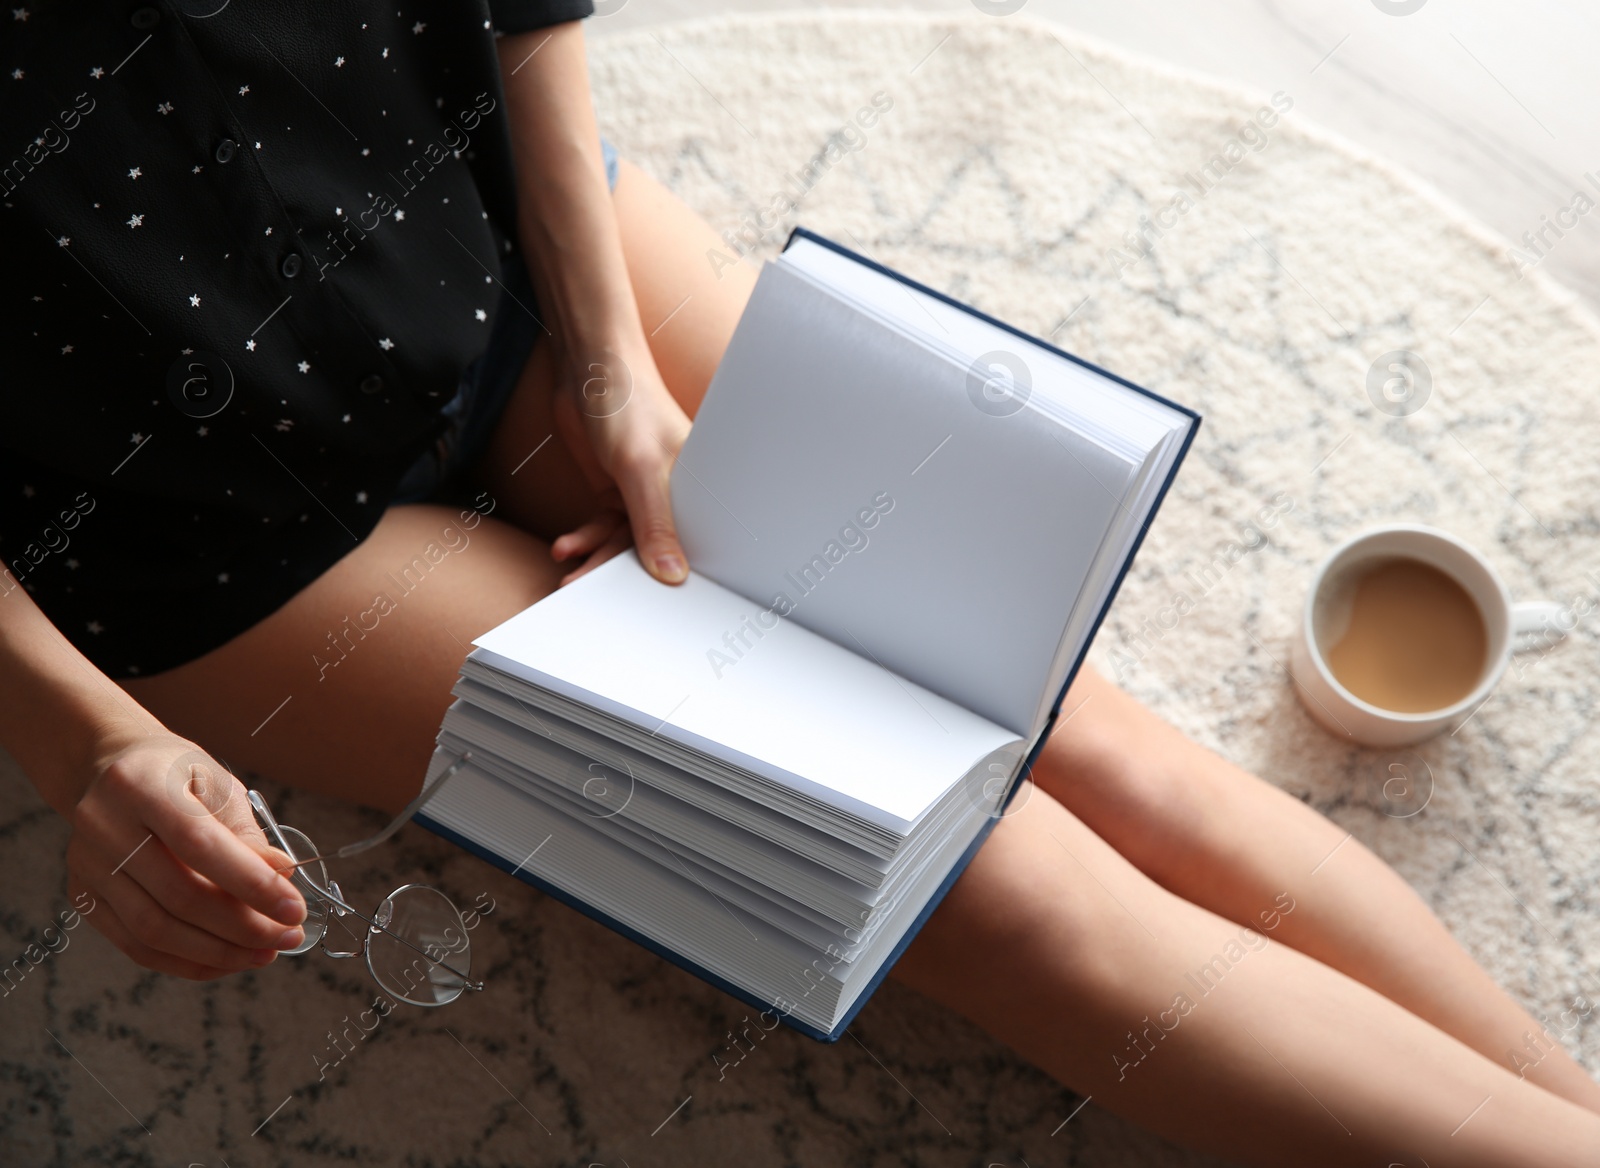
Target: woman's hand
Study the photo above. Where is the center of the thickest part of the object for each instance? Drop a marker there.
(625, 429)
(612, 407)
(183, 880)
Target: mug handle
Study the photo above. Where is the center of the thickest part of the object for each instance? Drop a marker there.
(1534, 625)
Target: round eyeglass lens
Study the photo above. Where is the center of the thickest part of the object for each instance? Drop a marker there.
(310, 880)
(420, 954)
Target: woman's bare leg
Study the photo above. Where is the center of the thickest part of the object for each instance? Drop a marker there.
(1067, 972)
(1204, 828)
(1062, 949)
(1232, 843)
(281, 701)
(1042, 941)
(1199, 825)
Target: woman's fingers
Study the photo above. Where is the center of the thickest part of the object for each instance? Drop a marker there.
(188, 826)
(166, 839)
(642, 472)
(149, 925)
(167, 907)
(116, 931)
(590, 536)
(196, 901)
(625, 430)
(616, 543)
(237, 817)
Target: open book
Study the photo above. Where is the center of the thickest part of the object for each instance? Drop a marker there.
(905, 521)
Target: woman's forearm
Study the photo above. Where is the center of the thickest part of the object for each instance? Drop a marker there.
(58, 713)
(574, 252)
(564, 214)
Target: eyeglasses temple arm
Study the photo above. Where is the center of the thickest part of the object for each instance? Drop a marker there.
(399, 821)
(411, 808)
(269, 823)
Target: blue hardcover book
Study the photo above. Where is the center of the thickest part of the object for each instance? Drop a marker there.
(905, 522)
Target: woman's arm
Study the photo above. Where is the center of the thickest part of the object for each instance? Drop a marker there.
(162, 836)
(616, 413)
(58, 713)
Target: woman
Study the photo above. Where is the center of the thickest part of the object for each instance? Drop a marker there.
(312, 451)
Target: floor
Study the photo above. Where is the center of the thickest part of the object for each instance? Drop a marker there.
(1494, 104)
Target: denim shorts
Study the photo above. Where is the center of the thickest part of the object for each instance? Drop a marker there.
(486, 384)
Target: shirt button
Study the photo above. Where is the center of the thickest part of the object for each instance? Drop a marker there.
(225, 149)
(372, 383)
(291, 265)
(145, 18)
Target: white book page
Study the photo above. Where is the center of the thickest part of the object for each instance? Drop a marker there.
(846, 469)
(1090, 403)
(698, 664)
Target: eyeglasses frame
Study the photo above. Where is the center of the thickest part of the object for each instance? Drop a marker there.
(335, 896)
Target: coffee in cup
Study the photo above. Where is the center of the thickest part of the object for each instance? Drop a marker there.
(1403, 635)
(1405, 630)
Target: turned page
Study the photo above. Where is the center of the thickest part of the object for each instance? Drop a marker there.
(697, 665)
(853, 478)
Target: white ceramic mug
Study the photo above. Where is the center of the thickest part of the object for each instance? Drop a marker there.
(1346, 716)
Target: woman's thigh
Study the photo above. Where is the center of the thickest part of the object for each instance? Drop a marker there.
(343, 688)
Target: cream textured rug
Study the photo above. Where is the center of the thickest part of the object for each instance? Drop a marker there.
(1015, 165)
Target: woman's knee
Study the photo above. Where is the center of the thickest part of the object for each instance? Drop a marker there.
(1127, 773)
(1034, 907)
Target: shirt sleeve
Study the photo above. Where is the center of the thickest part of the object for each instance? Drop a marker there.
(512, 16)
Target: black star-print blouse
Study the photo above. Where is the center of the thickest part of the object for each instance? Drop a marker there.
(247, 253)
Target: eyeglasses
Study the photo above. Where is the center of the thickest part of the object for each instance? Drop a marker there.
(415, 943)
